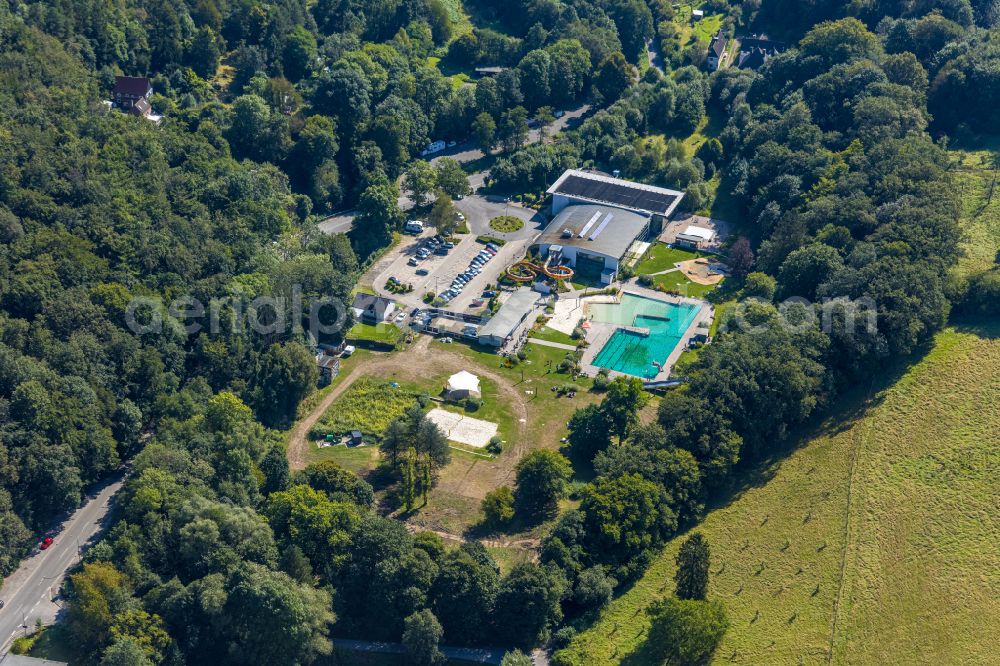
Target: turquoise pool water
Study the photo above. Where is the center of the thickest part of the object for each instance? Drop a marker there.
(631, 352)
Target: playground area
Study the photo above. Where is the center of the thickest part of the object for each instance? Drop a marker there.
(704, 270)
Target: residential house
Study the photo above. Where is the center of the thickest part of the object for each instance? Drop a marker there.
(373, 309)
(717, 51)
(756, 50)
(131, 94)
(329, 368)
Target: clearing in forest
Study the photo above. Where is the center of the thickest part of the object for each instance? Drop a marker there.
(875, 542)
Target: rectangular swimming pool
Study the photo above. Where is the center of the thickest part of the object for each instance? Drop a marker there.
(634, 353)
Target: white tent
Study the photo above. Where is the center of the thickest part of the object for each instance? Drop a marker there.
(463, 385)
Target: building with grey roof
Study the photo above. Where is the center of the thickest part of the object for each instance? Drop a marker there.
(599, 217)
(510, 315)
(592, 238)
(575, 186)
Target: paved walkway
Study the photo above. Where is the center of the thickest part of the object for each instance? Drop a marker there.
(547, 343)
(478, 655)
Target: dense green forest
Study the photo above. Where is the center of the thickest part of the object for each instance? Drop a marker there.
(276, 112)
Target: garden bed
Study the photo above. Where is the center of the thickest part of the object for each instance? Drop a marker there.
(369, 406)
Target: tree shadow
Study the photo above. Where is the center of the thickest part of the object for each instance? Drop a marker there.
(642, 655)
(987, 328)
(850, 406)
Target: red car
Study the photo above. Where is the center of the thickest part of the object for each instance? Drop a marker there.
(46, 542)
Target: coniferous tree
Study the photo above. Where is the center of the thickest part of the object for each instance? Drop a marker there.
(692, 568)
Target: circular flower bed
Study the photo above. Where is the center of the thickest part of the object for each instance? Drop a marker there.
(506, 224)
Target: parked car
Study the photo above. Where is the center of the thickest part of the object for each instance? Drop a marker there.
(400, 317)
(460, 216)
(413, 261)
(441, 250)
(449, 244)
(422, 271)
(46, 542)
(392, 280)
(348, 350)
(489, 293)
(477, 303)
(447, 340)
(559, 114)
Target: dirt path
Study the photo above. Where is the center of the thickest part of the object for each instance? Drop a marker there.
(523, 544)
(299, 440)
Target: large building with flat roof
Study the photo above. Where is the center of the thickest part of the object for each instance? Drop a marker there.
(514, 310)
(575, 186)
(598, 218)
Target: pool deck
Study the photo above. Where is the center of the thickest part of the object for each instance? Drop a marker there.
(600, 333)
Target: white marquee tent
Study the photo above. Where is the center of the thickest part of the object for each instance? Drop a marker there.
(463, 385)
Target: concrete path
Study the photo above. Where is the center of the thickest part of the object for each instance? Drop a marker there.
(547, 343)
(477, 655)
(669, 270)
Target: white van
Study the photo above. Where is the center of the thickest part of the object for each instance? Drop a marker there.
(414, 226)
(435, 147)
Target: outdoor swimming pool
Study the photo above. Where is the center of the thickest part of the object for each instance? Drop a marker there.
(632, 352)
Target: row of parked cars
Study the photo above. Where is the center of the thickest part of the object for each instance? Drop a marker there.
(433, 245)
(474, 269)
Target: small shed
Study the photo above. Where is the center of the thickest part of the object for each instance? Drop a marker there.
(462, 385)
(357, 438)
(696, 237)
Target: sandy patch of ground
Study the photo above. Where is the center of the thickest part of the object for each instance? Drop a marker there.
(703, 270)
(463, 429)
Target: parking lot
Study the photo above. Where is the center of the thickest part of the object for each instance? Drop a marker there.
(441, 270)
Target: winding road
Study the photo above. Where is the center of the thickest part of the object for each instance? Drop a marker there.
(31, 592)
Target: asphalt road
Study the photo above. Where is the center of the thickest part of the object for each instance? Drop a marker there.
(340, 223)
(31, 591)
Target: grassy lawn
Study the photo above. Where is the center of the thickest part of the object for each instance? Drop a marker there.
(706, 28)
(874, 542)
(552, 335)
(507, 558)
(973, 172)
(492, 409)
(702, 31)
(358, 459)
(659, 257)
(680, 283)
(383, 334)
